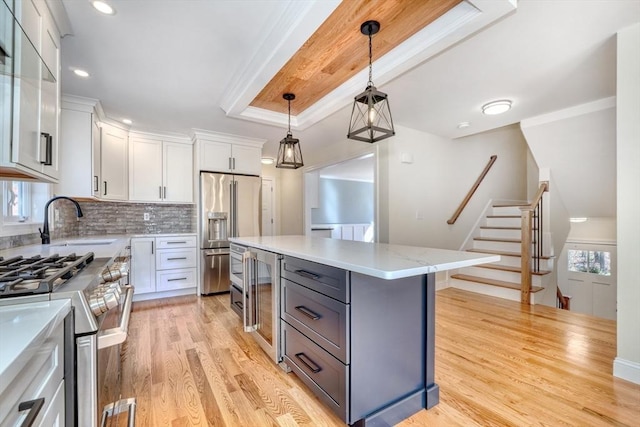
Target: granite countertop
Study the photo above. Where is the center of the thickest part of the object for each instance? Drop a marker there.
(23, 329)
(380, 260)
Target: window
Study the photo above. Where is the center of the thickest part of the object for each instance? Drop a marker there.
(16, 206)
(595, 262)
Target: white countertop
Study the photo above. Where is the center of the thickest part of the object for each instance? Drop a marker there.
(380, 260)
(23, 329)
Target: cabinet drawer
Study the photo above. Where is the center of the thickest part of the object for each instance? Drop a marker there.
(40, 378)
(330, 281)
(170, 280)
(174, 242)
(323, 319)
(325, 375)
(175, 258)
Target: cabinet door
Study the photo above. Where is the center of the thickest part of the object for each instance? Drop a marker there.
(145, 170)
(178, 172)
(246, 160)
(50, 96)
(143, 264)
(215, 156)
(26, 103)
(76, 179)
(115, 181)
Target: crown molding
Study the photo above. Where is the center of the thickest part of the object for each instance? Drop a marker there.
(462, 21)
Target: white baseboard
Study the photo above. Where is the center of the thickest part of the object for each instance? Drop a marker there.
(627, 370)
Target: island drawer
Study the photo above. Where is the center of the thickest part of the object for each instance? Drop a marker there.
(169, 280)
(330, 281)
(325, 375)
(323, 319)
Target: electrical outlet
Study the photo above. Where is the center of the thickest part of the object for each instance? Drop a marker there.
(146, 216)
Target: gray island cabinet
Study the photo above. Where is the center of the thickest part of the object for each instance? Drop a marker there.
(358, 322)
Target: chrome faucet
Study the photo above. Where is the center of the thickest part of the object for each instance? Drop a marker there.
(44, 233)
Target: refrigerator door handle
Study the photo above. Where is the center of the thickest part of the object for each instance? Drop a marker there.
(235, 208)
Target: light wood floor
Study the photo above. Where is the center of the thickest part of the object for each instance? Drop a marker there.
(497, 364)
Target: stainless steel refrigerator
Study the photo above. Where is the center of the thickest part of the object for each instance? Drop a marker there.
(230, 207)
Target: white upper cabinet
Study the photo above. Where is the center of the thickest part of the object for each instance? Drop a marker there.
(219, 152)
(113, 162)
(36, 102)
(161, 170)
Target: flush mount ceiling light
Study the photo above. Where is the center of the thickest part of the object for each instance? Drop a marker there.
(80, 73)
(127, 121)
(577, 219)
(267, 160)
(103, 7)
(463, 125)
(496, 107)
(289, 153)
(371, 117)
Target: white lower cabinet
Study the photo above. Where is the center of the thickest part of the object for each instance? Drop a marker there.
(164, 265)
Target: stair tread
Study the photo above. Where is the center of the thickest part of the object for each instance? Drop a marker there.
(493, 252)
(493, 282)
(511, 269)
(498, 239)
(486, 227)
(510, 205)
(504, 253)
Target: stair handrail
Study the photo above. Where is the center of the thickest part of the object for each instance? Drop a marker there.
(532, 234)
(473, 189)
(564, 301)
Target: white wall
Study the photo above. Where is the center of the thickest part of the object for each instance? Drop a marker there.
(627, 363)
(425, 193)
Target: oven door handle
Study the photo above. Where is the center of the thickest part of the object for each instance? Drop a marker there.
(118, 335)
(119, 407)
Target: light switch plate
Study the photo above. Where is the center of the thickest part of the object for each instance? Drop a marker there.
(145, 216)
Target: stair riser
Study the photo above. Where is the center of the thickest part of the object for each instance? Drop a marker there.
(504, 222)
(506, 276)
(500, 234)
(510, 261)
(511, 210)
(495, 291)
(497, 246)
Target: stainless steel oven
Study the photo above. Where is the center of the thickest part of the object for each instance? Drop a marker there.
(261, 296)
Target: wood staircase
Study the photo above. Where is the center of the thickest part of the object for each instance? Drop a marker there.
(501, 235)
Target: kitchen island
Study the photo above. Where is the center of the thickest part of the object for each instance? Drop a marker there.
(357, 322)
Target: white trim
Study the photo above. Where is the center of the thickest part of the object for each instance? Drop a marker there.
(592, 242)
(627, 370)
(567, 113)
(177, 138)
(201, 134)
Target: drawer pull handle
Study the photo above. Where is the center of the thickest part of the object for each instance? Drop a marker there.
(308, 274)
(313, 366)
(176, 279)
(309, 313)
(238, 303)
(176, 243)
(33, 406)
(173, 259)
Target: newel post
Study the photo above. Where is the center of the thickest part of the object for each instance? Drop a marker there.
(525, 261)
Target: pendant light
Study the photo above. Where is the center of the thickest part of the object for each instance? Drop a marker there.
(289, 154)
(371, 117)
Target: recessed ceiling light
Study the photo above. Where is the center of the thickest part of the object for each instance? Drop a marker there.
(577, 219)
(127, 121)
(267, 160)
(80, 73)
(103, 7)
(496, 107)
(463, 125)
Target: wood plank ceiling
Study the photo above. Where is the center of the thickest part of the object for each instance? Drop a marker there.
(338, 50)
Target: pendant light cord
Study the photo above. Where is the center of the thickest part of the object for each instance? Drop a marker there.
(289, 126)
(370, 55)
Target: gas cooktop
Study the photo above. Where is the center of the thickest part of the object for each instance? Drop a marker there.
(21, 276)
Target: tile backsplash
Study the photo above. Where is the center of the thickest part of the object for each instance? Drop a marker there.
(112, 218)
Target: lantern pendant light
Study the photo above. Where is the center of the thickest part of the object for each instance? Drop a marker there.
(371, 117)
(289, 153)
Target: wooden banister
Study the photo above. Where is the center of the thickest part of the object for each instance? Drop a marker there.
(564, 301)
(458, 211)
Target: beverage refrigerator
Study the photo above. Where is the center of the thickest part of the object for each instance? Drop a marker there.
(230, 207)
